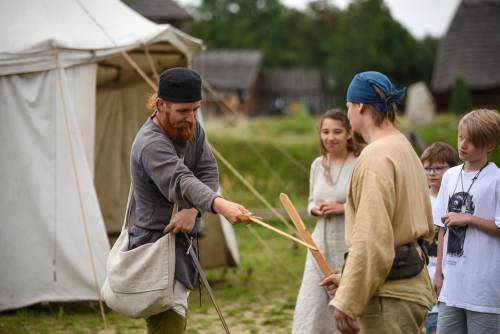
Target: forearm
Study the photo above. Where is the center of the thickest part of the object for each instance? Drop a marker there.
(439, 264)
(193, 193)
(485, 225)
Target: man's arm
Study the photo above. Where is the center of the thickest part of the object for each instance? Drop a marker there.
(179, 185)
(174, 179)
(371, 249)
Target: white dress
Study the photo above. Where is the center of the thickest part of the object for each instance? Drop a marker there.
(312, 312)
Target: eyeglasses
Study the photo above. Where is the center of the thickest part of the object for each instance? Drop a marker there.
(435, 169)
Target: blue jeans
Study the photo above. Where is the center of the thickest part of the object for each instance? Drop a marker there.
(431, 323)
(455, 320)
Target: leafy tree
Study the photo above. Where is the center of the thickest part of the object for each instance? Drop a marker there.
(368, 38)
(363, 37)
(239, 23)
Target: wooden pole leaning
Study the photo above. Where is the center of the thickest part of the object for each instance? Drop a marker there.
(299, 224)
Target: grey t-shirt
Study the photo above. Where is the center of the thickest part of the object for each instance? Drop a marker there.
(164, 173)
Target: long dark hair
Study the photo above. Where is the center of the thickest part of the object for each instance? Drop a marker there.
(353, 145)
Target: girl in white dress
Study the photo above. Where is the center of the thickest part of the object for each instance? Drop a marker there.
(328, 183)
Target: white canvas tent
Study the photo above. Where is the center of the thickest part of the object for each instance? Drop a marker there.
(70, 105)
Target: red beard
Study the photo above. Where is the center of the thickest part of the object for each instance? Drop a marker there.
(179, 133)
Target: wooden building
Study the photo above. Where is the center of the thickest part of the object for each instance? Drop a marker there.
(470, 48)
(234, 75)
(294, 91)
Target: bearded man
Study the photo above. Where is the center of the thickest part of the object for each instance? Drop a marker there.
(172, 167)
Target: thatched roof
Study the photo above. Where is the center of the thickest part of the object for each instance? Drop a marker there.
(229, 70)
(160, 10)
(471, 47)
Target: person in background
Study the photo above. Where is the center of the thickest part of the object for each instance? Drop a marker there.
(468, 208)
(436, 159)
(328, 182)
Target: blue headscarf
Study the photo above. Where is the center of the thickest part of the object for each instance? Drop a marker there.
(360, 90)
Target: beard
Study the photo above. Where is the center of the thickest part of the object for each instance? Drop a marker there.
(179, 133)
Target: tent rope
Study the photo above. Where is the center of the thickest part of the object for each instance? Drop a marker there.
(268, 249)
(123, 53)
(291, 158)
(219, 99)
(270, 252)
(251, 188)
(80, 197)
(266, 163)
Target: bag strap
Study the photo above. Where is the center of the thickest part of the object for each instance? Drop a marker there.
(130, 203)
(128, 210)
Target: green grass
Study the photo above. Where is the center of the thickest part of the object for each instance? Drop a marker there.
(255, 149)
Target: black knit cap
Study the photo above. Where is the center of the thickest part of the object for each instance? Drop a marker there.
(180, 84)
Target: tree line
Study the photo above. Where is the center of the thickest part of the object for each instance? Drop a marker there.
(362, 37)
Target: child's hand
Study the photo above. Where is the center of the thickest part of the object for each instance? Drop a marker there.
(332, 208)
(453, 219)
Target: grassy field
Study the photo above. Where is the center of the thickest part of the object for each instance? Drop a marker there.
(274, 154)
(255, 147)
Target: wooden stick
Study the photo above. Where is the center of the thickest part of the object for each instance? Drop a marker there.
(274, 229)
(294, 215)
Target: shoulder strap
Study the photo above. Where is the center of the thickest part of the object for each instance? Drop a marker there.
(128, 210)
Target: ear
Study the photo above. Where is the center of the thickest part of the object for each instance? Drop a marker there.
(361, 107)
(490, 148)
(158, 103)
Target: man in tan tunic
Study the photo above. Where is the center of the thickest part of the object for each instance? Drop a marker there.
(387, 207)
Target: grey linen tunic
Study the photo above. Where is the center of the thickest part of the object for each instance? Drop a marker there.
(164, 173)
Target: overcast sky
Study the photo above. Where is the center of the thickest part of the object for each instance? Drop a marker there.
(421, 17)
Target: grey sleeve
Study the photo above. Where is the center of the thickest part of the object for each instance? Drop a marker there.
(206, 165)
(174, 179)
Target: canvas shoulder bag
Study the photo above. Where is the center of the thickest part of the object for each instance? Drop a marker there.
(140, 282)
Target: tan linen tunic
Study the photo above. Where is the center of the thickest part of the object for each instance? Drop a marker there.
(387, 206)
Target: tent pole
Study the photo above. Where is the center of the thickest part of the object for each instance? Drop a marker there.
(62, 81)
(151, 63)
(139, 70)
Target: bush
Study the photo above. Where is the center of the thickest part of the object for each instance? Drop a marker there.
(460, 99)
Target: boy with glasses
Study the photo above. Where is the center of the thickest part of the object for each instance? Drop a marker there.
(436, 159)
(468, 207)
